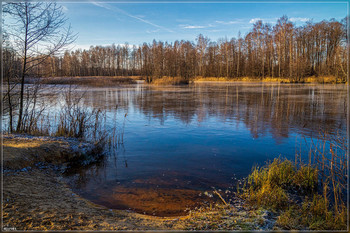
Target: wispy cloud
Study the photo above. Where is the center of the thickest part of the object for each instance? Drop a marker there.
(265, 20)
(254, 20)
(87, 46)
(229, 22)
(140, 16)
(273, 20)
(100, 4)
(216, 30)
(299, 19)
(118, 10)
(195, 26)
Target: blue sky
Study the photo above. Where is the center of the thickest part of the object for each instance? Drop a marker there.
(102, 23)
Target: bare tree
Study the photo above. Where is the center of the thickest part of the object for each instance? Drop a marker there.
(283, 50)
(202, 43)
(37, 32)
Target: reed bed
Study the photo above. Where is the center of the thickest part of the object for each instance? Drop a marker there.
(73, 120)
(170, 81)
(309, 195)
(311, 79)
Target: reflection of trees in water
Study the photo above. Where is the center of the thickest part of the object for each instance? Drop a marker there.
(79, 176)
(263, 108)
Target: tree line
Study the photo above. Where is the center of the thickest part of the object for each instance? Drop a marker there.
(283, 50)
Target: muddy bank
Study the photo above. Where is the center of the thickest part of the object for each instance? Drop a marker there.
(37, 198)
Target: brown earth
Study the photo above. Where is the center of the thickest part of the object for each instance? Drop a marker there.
(25, 152)
(39, 200)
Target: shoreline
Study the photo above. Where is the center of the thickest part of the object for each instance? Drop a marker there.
(306, 80)
(117, 81)
(37, 198)
(90, 81)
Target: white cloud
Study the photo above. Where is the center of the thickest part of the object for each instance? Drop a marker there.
(81, 46)
(216, 30)
(299, 19)
(87, 46)
(100, 5)
(254, 20)
(273, 20)
(186, 26)
(193, 27)
(265, 20)
(228, 22)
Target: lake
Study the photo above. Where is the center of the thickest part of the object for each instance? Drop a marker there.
(181, 141)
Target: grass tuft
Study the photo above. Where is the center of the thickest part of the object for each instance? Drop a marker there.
(265, 185)
(306, 179)
(291, 190)
(280, 174)
(270, 197)
(315, 213)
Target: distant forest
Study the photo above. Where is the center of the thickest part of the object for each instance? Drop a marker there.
(282, 50)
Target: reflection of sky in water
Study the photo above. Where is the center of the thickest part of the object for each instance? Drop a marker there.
(213, 132)
(203, 135)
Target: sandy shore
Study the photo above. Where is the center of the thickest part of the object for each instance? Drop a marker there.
(37, 198)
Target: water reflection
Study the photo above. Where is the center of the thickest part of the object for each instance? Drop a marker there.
(263, 108)
(188, 139)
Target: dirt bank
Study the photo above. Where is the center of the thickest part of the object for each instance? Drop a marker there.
(23, 151)
(36, 197)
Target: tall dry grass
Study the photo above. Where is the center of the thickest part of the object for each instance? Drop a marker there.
(170, 81)
(73, 120)
(311, 79)
(307, 195)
